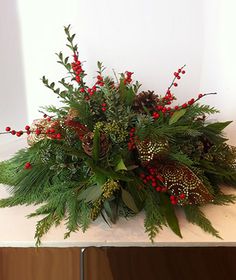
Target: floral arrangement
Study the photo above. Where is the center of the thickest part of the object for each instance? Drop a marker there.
(112, 150)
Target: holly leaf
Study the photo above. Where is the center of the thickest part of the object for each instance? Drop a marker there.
(129, 201)
(169, 213)
(176, 116)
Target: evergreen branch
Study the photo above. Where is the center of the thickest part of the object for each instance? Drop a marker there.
(154, 219)
(182, 158)
(43, 226)
(224, 199)
(195, 216)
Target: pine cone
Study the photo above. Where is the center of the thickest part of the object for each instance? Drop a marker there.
(145, 99)
(87, 144)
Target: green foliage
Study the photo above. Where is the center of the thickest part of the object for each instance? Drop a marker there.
(176, 116)
(169, 213)
(224, 199)
(154, 219)
(195, 216)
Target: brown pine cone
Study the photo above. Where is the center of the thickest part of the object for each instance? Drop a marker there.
(145, 99)
(87, 144)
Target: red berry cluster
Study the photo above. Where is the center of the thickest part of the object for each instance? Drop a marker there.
(177, 76)
(174, 199)
(77, 68)
(18, 133)
(104, 107)
(92, 90)
(131, 143)
(128, 77)
(100, 81)
(168, 98)
(154, 178)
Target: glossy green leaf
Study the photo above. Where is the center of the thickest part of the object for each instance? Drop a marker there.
(91, 193)
(169, 213)
(129, 201)
(176, 116)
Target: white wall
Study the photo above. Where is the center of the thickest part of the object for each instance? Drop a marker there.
(13, 109)
(150, 37)
(219, 60)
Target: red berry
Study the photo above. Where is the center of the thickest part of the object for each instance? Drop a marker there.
(78, 79)
(172, 197)
(155, 115)
(104, 104)
(158, 189)
(164, 189)
(159, 107)
(58, 136)
(183, 72)
(175, 84)
(7, 128)
(13, 132)
(174, 202)
(49, 119)
(142, 175)
(51, 130)
(185, 105)
(182, 196)
(179, 70)
(104, 109)
(154, 184)
(45, 115)
(82, 90)
(176, 74)
(200, 95)
(27, 127)
(190, 102)
(176, 107)
(37, 131)
(19, 133)
(28, 132)
(178, 77)
(28, 165)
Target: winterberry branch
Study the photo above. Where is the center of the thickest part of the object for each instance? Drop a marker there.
(177, 76)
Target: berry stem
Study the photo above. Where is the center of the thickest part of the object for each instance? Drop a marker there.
(173, 81)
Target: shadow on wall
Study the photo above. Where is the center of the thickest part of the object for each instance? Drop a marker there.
(13, 110)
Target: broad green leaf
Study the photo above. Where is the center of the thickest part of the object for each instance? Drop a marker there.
(96, 144)
(111, 210)
(176, 116)
(129, 201)
(91, 193)
(169, 213)
(120, 165)
(218, 126)
(137, 194)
